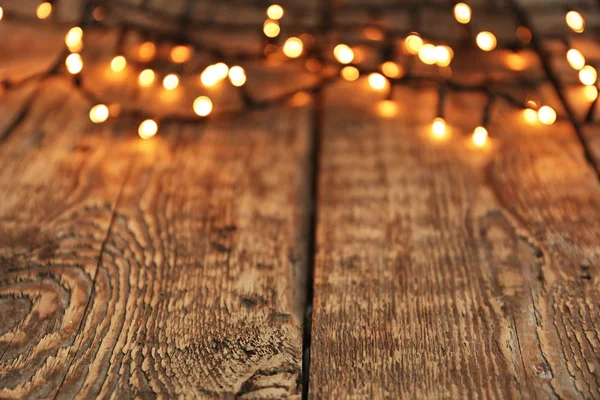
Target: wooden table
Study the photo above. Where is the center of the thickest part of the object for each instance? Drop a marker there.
(321, 246)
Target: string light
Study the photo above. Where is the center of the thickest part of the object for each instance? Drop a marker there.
(73, 39)
(480, 136)
(99, 113)
(1, 13)
(486, 41)
(588, 75)
(181, 54)
(443, 56)
(148, 129)
(530, 115)
(203, 106)
(591, 92)
(427, 54)
(576, 59)
(546, 115)
(209, 76)
(413, 43)
(146, 77)
(171, 82)
(350, 73)
(74, 63)
(575, 21)
(118, 63)
(275, 12)
(237, 76)
(439, 127)
(462, 13)
(293, 47)
(377, 81)
(44, 10)
(392, 70)
(271, 28)
(343, 53)
(147, 51)
(387, 108)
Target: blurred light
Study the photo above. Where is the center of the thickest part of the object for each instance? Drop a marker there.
(343, 53)
(387, 108)
(591, 92)
(147, 129)
(530, 115)
(524, 34)
(443, 56)
(392, 70)
(427, 54)
(147, 51)
(237, 76)
(99, 113)
(203, 106)
(313, 65)
(439, 127)
(576, 59)
(146, 77)
(575, 21)
(373, 33)
(516, 61)
(171, 82)
(99, 13)
(486, 41)
(271, 28)
(377, 81)
(73, 39)
(221, 70)
(44, 10)
(300, 99)
(413, 43)
(1, 13)
(293, 47)
(118, 63)
(480, 136)
(74, 63)
(275, 12)
(462, 13)
(588, 75)
(350, 73)
(181, 54)
(546, 115)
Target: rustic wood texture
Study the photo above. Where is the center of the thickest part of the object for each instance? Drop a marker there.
(443, 271)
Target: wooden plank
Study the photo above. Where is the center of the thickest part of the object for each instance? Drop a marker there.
(443, 271)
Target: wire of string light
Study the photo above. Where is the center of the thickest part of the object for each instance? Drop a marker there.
(389, 74)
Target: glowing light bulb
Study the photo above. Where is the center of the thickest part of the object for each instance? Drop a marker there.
(516, 62)
(486, 41)
(203, 106)
(147, 51)
(462, 13)
(146, 77)
(392, 70)
(293, 47)
(44, 10)
(181, 54)
(575, 21)
(591, 92)
(73, 39)
(438, 128)
(74, 63)
(576, 59)
(350, 73)
(480, 136)
(546, 115)
(387, 108)
(147, 129)
(413, 43)
(209, 76)
(377, 81)
(275, 11)
(343, 53)
(237, 76)
(99, 113)
(271, 28)
(118, 63)
(1, 13)
(530, 115)
(588, 75)
(171, 82)
(427, 54)
(221, 70)
(443, 56)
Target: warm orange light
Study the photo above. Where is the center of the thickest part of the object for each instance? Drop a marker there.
(576, 59)
(271, 28)
(343, 53)
(387, 108)
(73, 39)
(438, 128)
(118, 63)
(203, 106)
(99, 113)
(237, 76)
(1, 13)
(516, 62)
(588, 75)
(480, 136)
(293, 47)
(275, 12)
(350, 73)
(486, 41)
(524, 34)
(147, 51)
(171, 82)
(74, 63)
(427, 54)
(443, 56)
(377, 81)
(462, 13)
(575, 21)
(530, 115)
(546, 115)
(373, 33)
(147, 129)
(44, 10)
(146, 78)
(392, 70)
(181, 54)
(413, 43)
(591, 93)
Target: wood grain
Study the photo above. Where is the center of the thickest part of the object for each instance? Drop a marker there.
(443, 271)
